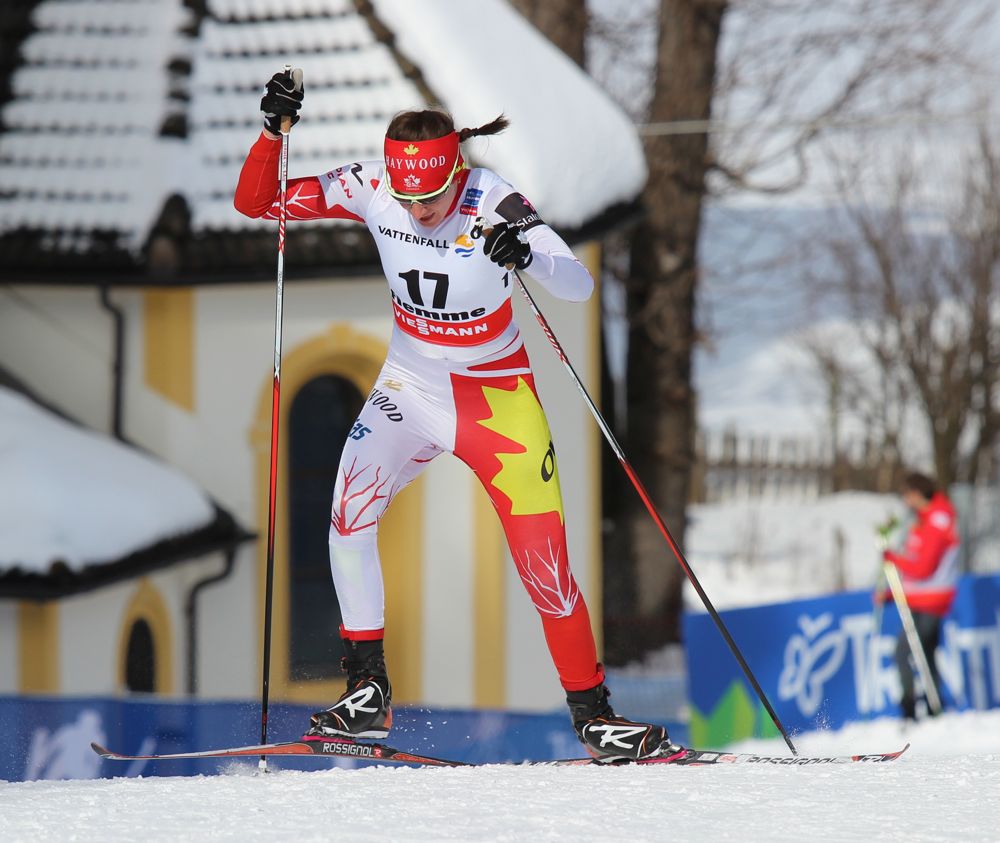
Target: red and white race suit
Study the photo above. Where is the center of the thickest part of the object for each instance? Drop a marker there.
(928, 562)
(456, 378)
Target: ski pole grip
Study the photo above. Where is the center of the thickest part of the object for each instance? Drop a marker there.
(296, 75)
(479, 230)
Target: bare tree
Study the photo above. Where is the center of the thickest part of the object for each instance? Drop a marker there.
(924, 293)
(640, 586)
(660, 292)
(740, 92)
(867, 403)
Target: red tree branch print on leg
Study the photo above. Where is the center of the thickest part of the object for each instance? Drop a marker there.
(549, 581)
(370, 494)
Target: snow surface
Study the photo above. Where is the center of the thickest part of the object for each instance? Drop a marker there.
(943, 789)
(74, 496)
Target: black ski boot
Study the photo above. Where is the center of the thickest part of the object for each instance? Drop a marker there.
(363, 710)
(609, 737)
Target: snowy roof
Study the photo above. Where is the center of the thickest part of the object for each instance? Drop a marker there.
(76, 505)
(116, 107)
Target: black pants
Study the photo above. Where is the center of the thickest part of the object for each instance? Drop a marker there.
(928, 631)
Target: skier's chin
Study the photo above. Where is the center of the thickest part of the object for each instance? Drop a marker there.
(430, 220)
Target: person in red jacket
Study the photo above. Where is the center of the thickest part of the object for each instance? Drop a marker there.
(928, 567)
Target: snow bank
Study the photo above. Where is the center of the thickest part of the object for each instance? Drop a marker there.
(748, 553)
(74, 496)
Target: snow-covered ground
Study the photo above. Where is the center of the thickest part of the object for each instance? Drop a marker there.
(944, 789)
(750, 552)
(754, 551)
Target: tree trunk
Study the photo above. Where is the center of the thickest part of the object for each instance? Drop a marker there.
(661, 306)
(563, 22)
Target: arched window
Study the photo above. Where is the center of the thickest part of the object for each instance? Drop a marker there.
(140, 659)
(321, 415)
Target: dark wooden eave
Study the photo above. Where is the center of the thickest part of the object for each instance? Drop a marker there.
(221, 535)
(230, 257)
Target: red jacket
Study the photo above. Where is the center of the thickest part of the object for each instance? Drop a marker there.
(929, 560)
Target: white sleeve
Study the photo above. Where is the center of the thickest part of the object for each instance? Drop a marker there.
(553, 264)
(555, 267)
(352, 186)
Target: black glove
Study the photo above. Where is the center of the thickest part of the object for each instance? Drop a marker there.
(506, 246)
(282, 98)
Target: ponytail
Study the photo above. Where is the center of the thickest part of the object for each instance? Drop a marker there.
(435, 123)
(494, 127)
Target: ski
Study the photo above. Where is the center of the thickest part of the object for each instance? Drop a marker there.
(385, 754)
(693, 757)
(307, 745)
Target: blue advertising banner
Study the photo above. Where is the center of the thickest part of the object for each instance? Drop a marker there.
(822, 663)
(49, 737)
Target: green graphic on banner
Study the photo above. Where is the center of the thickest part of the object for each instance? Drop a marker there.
(734, 718)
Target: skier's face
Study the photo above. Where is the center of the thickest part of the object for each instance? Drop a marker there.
(914, 500)
(431, 212)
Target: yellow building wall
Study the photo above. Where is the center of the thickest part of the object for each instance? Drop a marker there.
(358, 357)
(38, 647)
(169, 344)
(147, 604)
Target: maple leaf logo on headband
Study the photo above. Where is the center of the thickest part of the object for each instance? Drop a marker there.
(411, 183)
(411, 149)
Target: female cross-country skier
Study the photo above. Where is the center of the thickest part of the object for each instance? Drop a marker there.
(456, 378)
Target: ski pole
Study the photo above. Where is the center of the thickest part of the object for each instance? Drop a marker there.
(912, 638)
(286, 127)
(890, 573)
(882, 534)
(873, 653)
(651, 508)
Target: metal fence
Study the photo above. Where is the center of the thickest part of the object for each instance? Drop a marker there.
(979, 523)
(734, 466)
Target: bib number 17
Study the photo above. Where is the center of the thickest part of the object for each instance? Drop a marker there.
(438, 279)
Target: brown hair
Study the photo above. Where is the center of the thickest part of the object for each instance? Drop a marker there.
(921, 484)
(433, 123)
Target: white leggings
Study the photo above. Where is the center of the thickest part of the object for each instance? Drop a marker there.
(487, 413)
